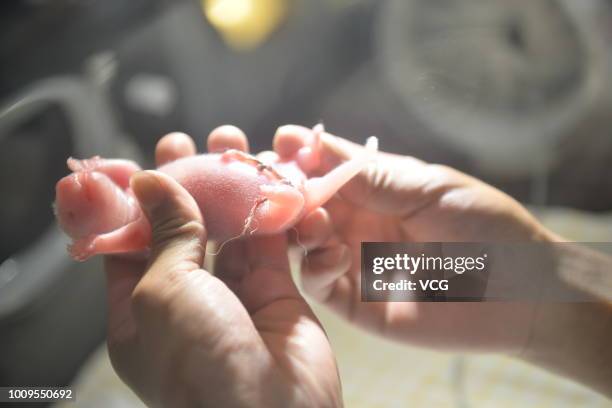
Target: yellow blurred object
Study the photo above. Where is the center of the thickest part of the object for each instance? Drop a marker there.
(245, 24)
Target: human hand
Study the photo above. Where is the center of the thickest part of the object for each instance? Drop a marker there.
(179, 336)
(401, 198)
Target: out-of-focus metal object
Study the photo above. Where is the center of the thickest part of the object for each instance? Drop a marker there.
(51, 309)
(156, 95)
(37, 263)
(502, 81)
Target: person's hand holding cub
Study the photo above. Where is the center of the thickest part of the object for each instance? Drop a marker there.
(181, 337)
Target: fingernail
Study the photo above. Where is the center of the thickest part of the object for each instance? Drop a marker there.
(148, 189)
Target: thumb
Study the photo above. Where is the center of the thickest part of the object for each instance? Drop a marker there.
(178, 232)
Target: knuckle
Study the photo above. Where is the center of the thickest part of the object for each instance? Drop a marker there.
(377, 181)
(176, 228)
(444, 175)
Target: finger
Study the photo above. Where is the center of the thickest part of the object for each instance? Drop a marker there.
(391, 184)
(122, 276)
(289, 139)
(230, 264)
(322, 268)
(314, 229)
(174, 146)
(268, 253)
(269, 277)
(335, 150)
(178, 233)
(283, 318)
(227, 137)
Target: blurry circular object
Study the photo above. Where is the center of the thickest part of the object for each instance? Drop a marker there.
(245, 24)
(502, 81)
(152, 94)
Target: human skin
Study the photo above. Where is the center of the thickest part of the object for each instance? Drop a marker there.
(182, 337)
(399, 198)
(242, 194)
(402, 199)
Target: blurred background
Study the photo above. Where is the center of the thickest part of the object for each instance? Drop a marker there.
(516, 92)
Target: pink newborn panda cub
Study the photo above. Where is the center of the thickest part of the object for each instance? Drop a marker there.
(237, 193)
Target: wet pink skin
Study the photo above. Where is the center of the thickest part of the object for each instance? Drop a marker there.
(238, 194)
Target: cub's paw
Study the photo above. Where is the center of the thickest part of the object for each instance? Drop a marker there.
(82, 249)
(90, 164)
